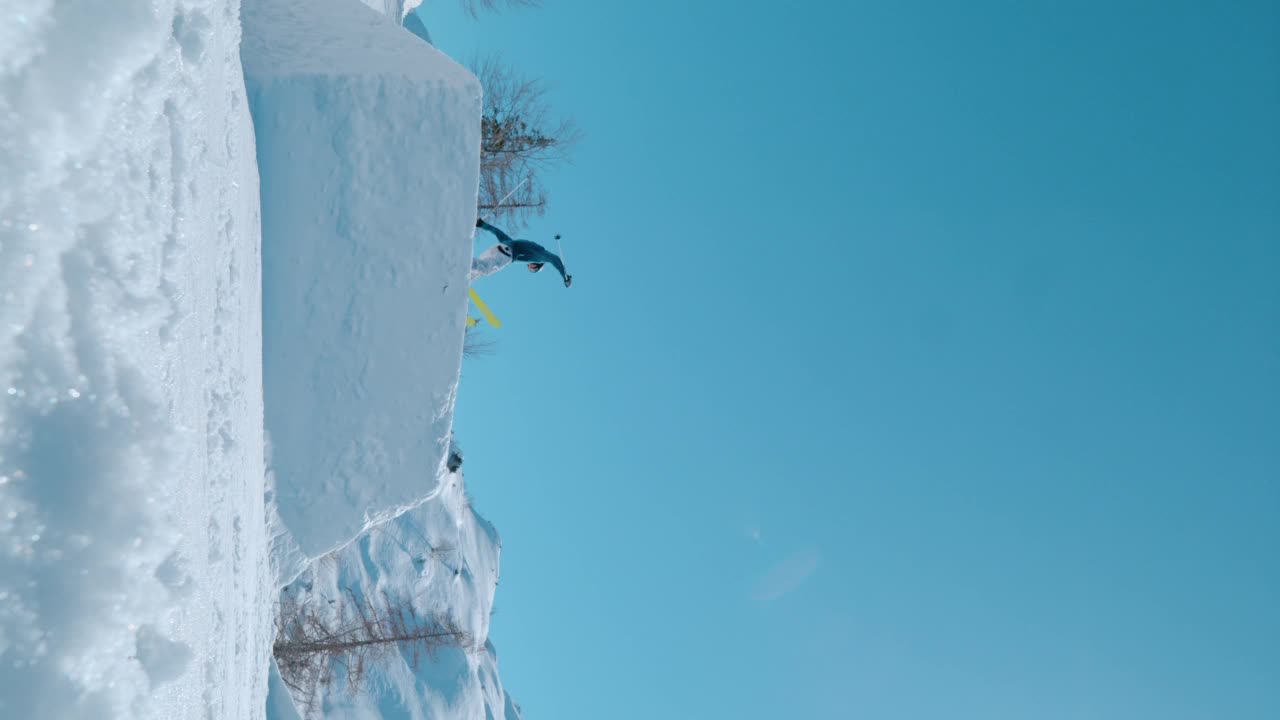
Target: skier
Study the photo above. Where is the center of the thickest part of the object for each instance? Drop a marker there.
(526, 251)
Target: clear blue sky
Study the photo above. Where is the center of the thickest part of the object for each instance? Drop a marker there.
(922, 360)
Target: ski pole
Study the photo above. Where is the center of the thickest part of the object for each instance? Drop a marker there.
(494, 209)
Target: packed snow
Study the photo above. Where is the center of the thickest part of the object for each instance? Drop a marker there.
(133, 568)
(369, 152)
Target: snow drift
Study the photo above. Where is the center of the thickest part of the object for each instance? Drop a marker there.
(133, 576)
(368, 150)
(441, 558)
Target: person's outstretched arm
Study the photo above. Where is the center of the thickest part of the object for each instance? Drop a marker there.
(502, 237)
(543, 255)
(555, 260)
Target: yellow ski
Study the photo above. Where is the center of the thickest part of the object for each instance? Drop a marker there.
(484, 309)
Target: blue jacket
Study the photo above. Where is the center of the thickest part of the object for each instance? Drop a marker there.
(526, 251)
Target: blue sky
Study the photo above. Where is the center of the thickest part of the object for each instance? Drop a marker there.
(922, 360)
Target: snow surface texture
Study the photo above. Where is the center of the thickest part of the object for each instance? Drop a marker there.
(442, 558)
(368, 150)
(133, 572)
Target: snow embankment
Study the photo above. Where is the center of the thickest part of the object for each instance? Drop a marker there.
(368, 150)
(441, 559)
(133, 573)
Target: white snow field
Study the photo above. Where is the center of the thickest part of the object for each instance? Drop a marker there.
(152, 294)
(442, 558)
(133, 568)
(369, 154)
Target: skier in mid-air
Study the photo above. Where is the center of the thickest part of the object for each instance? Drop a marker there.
(526, 251)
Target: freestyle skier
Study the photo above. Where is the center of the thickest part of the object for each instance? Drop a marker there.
(526, 251)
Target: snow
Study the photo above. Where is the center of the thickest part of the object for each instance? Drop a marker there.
(133, 568)
(174, 290)
(442, 558)
(368, 150)
(395, 9)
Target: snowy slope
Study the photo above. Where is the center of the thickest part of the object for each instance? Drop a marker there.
(368, 150)
(368, 146)
(133, 576)
(442, 558)
(134, 571)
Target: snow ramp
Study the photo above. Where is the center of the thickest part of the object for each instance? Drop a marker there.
(368, 152)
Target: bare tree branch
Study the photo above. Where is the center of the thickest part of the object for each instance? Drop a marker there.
(475, 344)
(316, 645)
(518, 141)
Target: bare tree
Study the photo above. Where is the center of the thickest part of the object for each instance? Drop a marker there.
(518, 141)
(475, 344)
(473, 7)
(315, 646)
